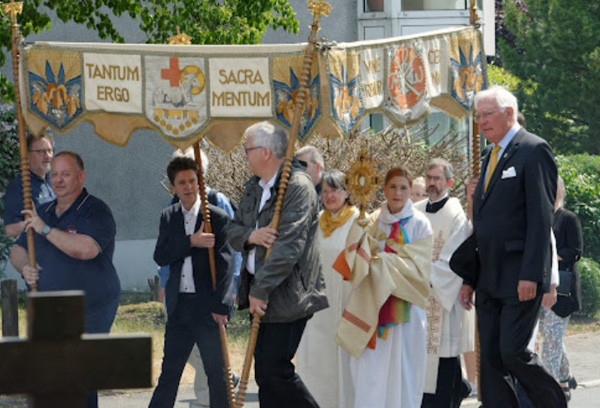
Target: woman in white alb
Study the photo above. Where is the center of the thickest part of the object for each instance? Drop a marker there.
(390, 372)
(323, 366)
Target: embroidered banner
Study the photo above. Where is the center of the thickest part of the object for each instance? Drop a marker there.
(189, 92)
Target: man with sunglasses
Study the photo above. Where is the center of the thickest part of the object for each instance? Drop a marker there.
(39, 154)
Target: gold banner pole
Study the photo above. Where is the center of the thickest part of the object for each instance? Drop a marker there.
(12, 9)
(476, 154)
(213, 277)
(318, 9)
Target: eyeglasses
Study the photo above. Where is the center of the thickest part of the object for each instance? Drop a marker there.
(43, 151)
(478, 117)
(247, 149)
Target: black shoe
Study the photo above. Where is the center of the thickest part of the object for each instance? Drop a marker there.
(567, 392)
(235, 379)
(466, 388)
(572, 382)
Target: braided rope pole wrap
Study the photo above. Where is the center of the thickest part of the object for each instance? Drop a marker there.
(213, 277)
(12, 9)
(318, 9)
(476, 154)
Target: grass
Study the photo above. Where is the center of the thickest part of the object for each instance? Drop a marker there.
(583, 324)
(150, 317)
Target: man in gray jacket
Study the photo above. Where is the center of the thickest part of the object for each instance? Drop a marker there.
(288, 287)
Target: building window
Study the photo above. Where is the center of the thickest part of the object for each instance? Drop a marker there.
(373, 6)
(437, 126)
(376, 122)
(423, 5)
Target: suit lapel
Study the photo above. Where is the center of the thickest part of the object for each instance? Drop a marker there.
(178, 220)
(198, 219)
(506, 155)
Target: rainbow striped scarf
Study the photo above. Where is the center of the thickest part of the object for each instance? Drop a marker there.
(394, 310)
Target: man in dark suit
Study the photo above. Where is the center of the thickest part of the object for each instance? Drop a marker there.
(512, 217)
(194, 309)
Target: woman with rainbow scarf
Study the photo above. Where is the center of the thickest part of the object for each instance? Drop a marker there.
(384, 325)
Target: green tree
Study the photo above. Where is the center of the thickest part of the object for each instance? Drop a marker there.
(216, 21)
(206, 21)
(94, 15)
(556, 55)
(500, 76)
(9, 168)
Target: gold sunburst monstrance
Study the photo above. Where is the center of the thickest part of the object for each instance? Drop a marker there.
(362, 180)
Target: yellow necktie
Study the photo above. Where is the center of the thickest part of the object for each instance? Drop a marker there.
(491, 166)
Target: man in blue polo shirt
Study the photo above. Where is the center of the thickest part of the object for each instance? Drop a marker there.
(74, 243)
(40, 152)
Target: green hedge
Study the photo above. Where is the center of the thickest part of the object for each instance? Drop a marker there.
(581, 174)
(589, 273)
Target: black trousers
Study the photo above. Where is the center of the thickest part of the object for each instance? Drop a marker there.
(505, 327)
(184, 328)
(449, 388)
(278, 384)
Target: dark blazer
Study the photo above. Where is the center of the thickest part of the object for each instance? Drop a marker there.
(569, 246)
(173, 246)
(512, 220)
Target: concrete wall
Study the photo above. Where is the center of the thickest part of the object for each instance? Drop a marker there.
(128, 178)
(340, 26)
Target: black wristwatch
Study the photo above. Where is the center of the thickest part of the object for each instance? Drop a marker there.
(46, 230)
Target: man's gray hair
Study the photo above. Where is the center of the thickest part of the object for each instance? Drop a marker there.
(189, 152)
(444, 164)
(503, 97)
(265, 134)
(313, 153)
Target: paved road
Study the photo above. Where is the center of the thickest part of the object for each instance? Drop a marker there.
(587, 395)
(141, 398)
(583, 352)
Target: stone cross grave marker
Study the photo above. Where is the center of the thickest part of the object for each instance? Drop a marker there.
(57, 364)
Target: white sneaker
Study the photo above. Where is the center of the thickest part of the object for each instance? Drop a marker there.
(473, 393)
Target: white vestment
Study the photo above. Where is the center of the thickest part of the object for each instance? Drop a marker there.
(393, 374)
(322, 364)
(445, 315)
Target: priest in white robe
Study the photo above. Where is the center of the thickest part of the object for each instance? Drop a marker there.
(445, 316)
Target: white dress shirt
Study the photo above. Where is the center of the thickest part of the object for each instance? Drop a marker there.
(510, 135)
(266, 194)
(186, 283)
